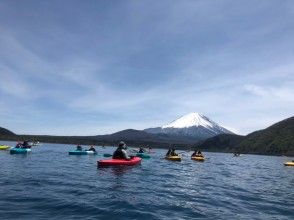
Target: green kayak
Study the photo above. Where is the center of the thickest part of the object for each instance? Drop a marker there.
(143, 155)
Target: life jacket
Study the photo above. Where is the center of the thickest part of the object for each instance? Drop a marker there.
(118, 154)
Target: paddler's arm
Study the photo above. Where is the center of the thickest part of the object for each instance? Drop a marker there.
(126, 155)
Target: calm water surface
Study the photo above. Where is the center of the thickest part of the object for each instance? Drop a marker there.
(50, 184)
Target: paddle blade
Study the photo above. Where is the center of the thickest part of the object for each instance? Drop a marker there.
(107, 155)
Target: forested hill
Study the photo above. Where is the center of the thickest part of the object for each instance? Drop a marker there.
(277, 139)
(221, 143)
(4, 131)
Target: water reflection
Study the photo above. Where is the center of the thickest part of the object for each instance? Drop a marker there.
(116, 170)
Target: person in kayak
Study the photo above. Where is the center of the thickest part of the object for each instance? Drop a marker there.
(121, 152)
(173, 152)
(79, 148)
(141, 150)
(197, 154)
(168, 152)
(25, 144)
(149, 149)
(18, 145)
(92, 148)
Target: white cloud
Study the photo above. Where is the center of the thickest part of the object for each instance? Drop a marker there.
(270, 92)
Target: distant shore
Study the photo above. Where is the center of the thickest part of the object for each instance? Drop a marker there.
(75, 140)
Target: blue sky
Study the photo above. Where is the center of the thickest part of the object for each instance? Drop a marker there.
(96, 67)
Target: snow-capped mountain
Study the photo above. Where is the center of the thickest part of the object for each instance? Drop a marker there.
(193, 125)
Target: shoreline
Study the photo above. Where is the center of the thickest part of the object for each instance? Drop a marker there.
(154, 145)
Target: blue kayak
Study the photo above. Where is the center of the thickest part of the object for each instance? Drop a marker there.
(20, 150)
(81, 152)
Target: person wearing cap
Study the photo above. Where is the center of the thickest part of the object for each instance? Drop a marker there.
(121, 152)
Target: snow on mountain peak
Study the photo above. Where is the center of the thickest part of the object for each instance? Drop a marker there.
(191, 119)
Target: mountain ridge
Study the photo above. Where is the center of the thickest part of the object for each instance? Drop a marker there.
(277, 139)
(4, 131)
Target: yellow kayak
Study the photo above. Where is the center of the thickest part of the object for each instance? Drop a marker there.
(4, 147)
(289, 163)
(174, 158)
(198, 158)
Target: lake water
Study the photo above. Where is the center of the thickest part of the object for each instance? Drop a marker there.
(50, 184)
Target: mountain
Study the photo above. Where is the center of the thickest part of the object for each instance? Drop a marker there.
(277, 139)
(130, 136)
(191, 125)
(138, 137)
(4, 131)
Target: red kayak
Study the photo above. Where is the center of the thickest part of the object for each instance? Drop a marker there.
(119, 162)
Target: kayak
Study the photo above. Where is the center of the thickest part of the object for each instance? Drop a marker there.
(4, 147)
(143, 155)
(174, 158)
(289, 164)
(198, 158)
(19, 150)
(80, 152)
(119, 162)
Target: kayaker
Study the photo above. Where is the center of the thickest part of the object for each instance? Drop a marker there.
(194, 154)
(92, 148)
(121, 152)
(173, 152)
(236, 154)
(168, 152)
(25, 144)
(149, 149)
(18, 145)
(141, 150)
(79, 148)
(198, 154)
